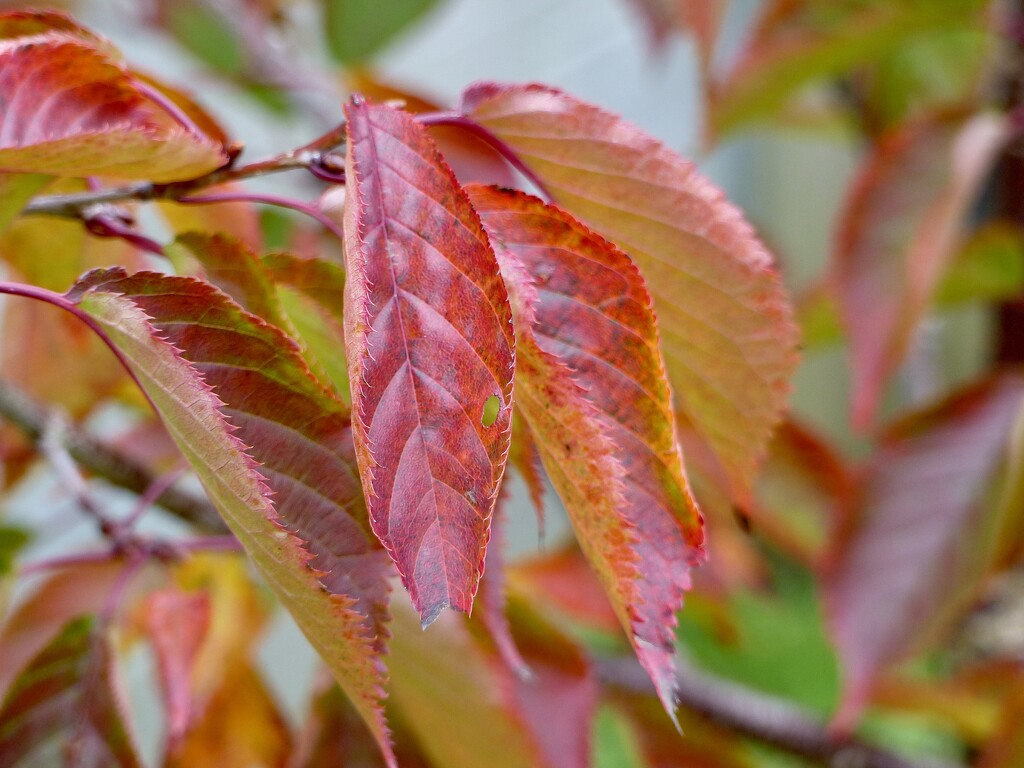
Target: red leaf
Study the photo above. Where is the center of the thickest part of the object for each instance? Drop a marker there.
(429, 341)
(727, 330)
(565, 582)
(901, 227)
(558, 700)
(912, 538)
(72, 109)
(591, 312)
(177, 623)
(492, 598)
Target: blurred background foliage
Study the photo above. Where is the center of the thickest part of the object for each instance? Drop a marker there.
(839, 126)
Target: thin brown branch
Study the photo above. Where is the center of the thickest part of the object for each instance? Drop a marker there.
(103, 461)
(761, 717)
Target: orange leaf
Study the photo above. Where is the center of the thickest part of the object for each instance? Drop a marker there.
(727, 329)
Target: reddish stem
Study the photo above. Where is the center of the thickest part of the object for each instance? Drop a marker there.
(176, 113)
(469, 125)
(149, 497)
(108, 225)
(59, 300)
(281, 202)
(71, 561)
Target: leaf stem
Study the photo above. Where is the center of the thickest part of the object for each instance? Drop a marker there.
(173, 110)
(281, 202)
(58, 300)
(458, 120)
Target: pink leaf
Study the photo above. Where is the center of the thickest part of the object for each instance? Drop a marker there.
(901, 227)
(912, 537)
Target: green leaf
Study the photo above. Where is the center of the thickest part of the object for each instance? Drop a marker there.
(312, 294)
(990, 267)
(453, 698)
(67, 699)
(797, 43)
(16, 189)
(202, 32)
(776, 644)
(357, 29)
(222, 380)
(12, 540)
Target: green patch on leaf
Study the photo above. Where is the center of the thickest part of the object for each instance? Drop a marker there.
(990, 267)
(12, 541)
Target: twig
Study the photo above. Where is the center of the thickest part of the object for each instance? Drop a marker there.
(78, 205)
(54, 447)
(760, 716)
(468, 124)
(102, 460)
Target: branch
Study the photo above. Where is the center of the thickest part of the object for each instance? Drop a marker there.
(316, 157)
(106, 462)
(760, 716)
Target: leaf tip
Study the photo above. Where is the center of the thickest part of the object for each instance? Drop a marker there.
(429, 614)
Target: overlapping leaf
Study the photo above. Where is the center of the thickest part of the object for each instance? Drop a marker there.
(37, 618)
(916, 532)
(465, 709)
(312, 293)
(72, 109)
(585, 308)
(223, 380)
(429, 342)
(67, 698)
(177, 623)
(900, 229)
(727, 331)
(236, 269)
(302, 296)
